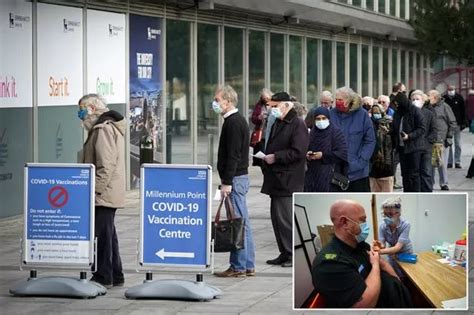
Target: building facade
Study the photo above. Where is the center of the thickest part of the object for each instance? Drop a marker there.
(159, 63)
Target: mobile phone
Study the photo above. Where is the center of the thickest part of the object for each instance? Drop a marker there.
(402, 134)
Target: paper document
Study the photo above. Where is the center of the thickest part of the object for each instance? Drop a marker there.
(217, 196)
(259, 155)
(456, 303)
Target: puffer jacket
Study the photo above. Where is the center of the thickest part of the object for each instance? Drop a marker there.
(105, 148)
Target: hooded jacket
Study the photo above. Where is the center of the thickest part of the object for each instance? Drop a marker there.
(360, 138)
(105, 148)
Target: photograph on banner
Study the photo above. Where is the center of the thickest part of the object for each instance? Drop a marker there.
(59, 214)
(146, 105)
(380, 251)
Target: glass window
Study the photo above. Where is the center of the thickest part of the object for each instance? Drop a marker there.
(353, 67)
(382, 6)
(340, 63)
(370, 5)
(419, 69)
(411, 79)
(312, 72)
(357, 3)
(402, 9)
(327, 65)
(365, 70)
(277, 62)
(394, 66)
(342, 1)
(233, 62)
(392, 7)
(256, 67)
(385, 74)
(375, 71)
(295, 67)
(178, 107)
(426, 69)
(16, 145)
(207, 124)
(403, 63)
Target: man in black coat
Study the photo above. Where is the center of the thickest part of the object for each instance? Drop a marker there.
(456, 102)
(408, 132)
(283, 170)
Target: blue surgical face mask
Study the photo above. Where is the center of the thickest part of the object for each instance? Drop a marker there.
(377, 116)
(276, 112)
(364, 231)
(322, 124)
(388, 221)
(82, 113)
(216, 107)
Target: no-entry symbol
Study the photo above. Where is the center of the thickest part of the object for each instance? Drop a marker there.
(57, 196)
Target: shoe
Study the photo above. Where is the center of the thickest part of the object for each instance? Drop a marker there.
(231, 273)
(444, 187)
(119, 284)
(105, 285)
(450, 165)
(397, 186)
(250, 272)
(458, 165)
(469, 176)
(288, 263)
(277, 261)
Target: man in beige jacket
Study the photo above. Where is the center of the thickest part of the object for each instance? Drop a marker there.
(104, 148)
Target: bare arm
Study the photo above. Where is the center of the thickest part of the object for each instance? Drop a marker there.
(392, 250)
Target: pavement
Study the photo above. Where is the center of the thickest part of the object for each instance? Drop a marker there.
(269, 292)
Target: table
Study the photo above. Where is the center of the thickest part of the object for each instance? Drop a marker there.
(436, 281)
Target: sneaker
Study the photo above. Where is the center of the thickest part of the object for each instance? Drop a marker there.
(458, 165)
(231, 273)
(250, 272)
(277, 261)
(444, 187)
(450, 165)
(397, 186)
(119, 284)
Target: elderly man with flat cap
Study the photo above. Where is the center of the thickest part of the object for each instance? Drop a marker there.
(347, 273)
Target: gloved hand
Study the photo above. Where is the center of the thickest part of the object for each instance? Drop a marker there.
(448, 142)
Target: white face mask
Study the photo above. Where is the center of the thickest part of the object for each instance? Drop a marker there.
(418, 103)
(322, 124)
(451, 92)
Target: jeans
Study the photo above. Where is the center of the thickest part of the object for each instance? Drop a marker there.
(457, 147)
(242, 259)
(109, 264)
(426, 176)
(442, 170)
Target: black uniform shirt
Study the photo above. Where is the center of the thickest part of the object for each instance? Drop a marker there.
(339, 273)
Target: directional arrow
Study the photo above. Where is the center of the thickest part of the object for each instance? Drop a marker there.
(162, 254)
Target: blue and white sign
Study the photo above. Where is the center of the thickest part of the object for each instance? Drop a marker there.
(175, 215)
(59, 214)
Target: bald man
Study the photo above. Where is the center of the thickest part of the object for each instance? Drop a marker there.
(347, 273)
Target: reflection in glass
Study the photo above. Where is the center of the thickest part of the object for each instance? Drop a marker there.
(312, 71)
(233, 62)
(402, 9)
(207, 123)
(256, 55)
(392, 7)
(365, 70)
(394, 66)
(178, 107)
(276, 62)
(411, 79)
(385, 88)
(382, 6)
(340, 63)
(353, 67)
(370, 5)
(402, 67)
(375, 72)
(327, 65)
(295, 67)
(356, 3)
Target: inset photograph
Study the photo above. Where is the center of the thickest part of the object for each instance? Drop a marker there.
(380, 251)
